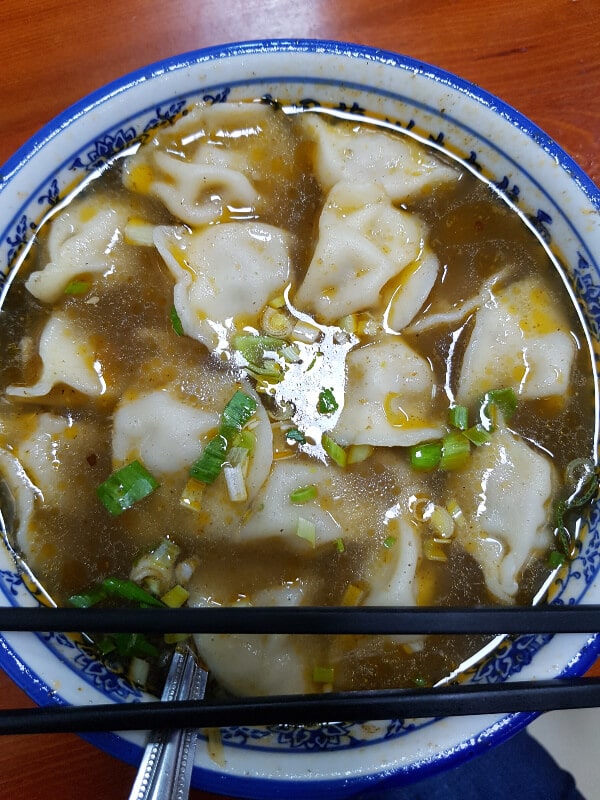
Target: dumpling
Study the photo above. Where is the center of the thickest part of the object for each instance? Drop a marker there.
(504, 494)
(216, 162)
(67, 357)
(83, 240)
(166, 431)
(520, 339)
(392, 409)
(275, 515)
(361, 154)
(363, 242)
(24, 494)
(412, 289)
(223, 274)
(160, 430)
(259, 664)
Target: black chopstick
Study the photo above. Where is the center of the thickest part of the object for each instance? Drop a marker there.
(304, 619)
(461, 700)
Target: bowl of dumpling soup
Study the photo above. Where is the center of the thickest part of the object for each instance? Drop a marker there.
(297, 323)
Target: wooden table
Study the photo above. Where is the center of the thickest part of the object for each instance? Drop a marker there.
(542, 58)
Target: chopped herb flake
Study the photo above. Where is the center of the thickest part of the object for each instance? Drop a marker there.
(125, 487)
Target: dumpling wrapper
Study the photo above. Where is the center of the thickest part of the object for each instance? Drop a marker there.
(223, 273)
(361, 154)
(505, 494)
(258, 664)
(363, 242)
(388, 397)
(68, 357)
(213, 162)
(82, 240)
(520, 339)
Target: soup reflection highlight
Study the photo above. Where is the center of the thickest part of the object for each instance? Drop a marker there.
(277, 359)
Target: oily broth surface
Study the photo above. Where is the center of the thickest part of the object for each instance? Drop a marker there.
(78, 543)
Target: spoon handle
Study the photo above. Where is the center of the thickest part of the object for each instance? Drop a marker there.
(165, 772)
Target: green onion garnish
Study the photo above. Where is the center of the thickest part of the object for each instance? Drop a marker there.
(334, 450)
(339, 545)
(306, 530)
(303, 494)
(236, 414)
(323, 674)
(77, 287)
(327, 403)
(458, 417)
(175, 321)
(115, 587)
(389, 542)
(556, 559)
(456, 449)
(208, 467)
(294, 435)
(477, 435)
(425, 456)
(503, 400)
(125, 487)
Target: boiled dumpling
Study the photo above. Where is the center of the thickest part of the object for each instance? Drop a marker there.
(160, 430)
(83, 240)
(259, 664)
(504, 494)
(392, 409)
(520, 339)
(216, 162)
(276, 515)
(166, 431)
(67, 357)
(362, 154)
(363, 242)
(412, 289)
(223, 273)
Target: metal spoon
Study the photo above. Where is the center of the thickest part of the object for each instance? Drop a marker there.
(165, 772)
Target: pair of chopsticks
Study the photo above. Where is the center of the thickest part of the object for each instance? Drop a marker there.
(444, 700)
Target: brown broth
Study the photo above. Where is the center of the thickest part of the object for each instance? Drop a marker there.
(474, 235)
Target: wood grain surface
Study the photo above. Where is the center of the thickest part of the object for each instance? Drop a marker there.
(542, 58)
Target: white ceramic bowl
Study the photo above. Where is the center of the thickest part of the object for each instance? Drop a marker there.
(336, 759)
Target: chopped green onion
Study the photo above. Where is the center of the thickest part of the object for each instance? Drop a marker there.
(208, 467)
(303, 494)
(125, 487)
(503, 400)
(77, 287)
(389, 542)
(88, 599)
(323, 674)
(306, 530)
(129, 590)
(238, 411)
(358, 452)
(176, 597)
(175, 321)
(236, 414)
(294, 435)
(458, 417)
(420, 681)
(138, 671)
(456, 449)
(556, 559)
(133, 644)
(236, 485)
(339, 545)
(334, 450)
(245, 439)
(477, 435)
(327, 403)
(425, 456)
